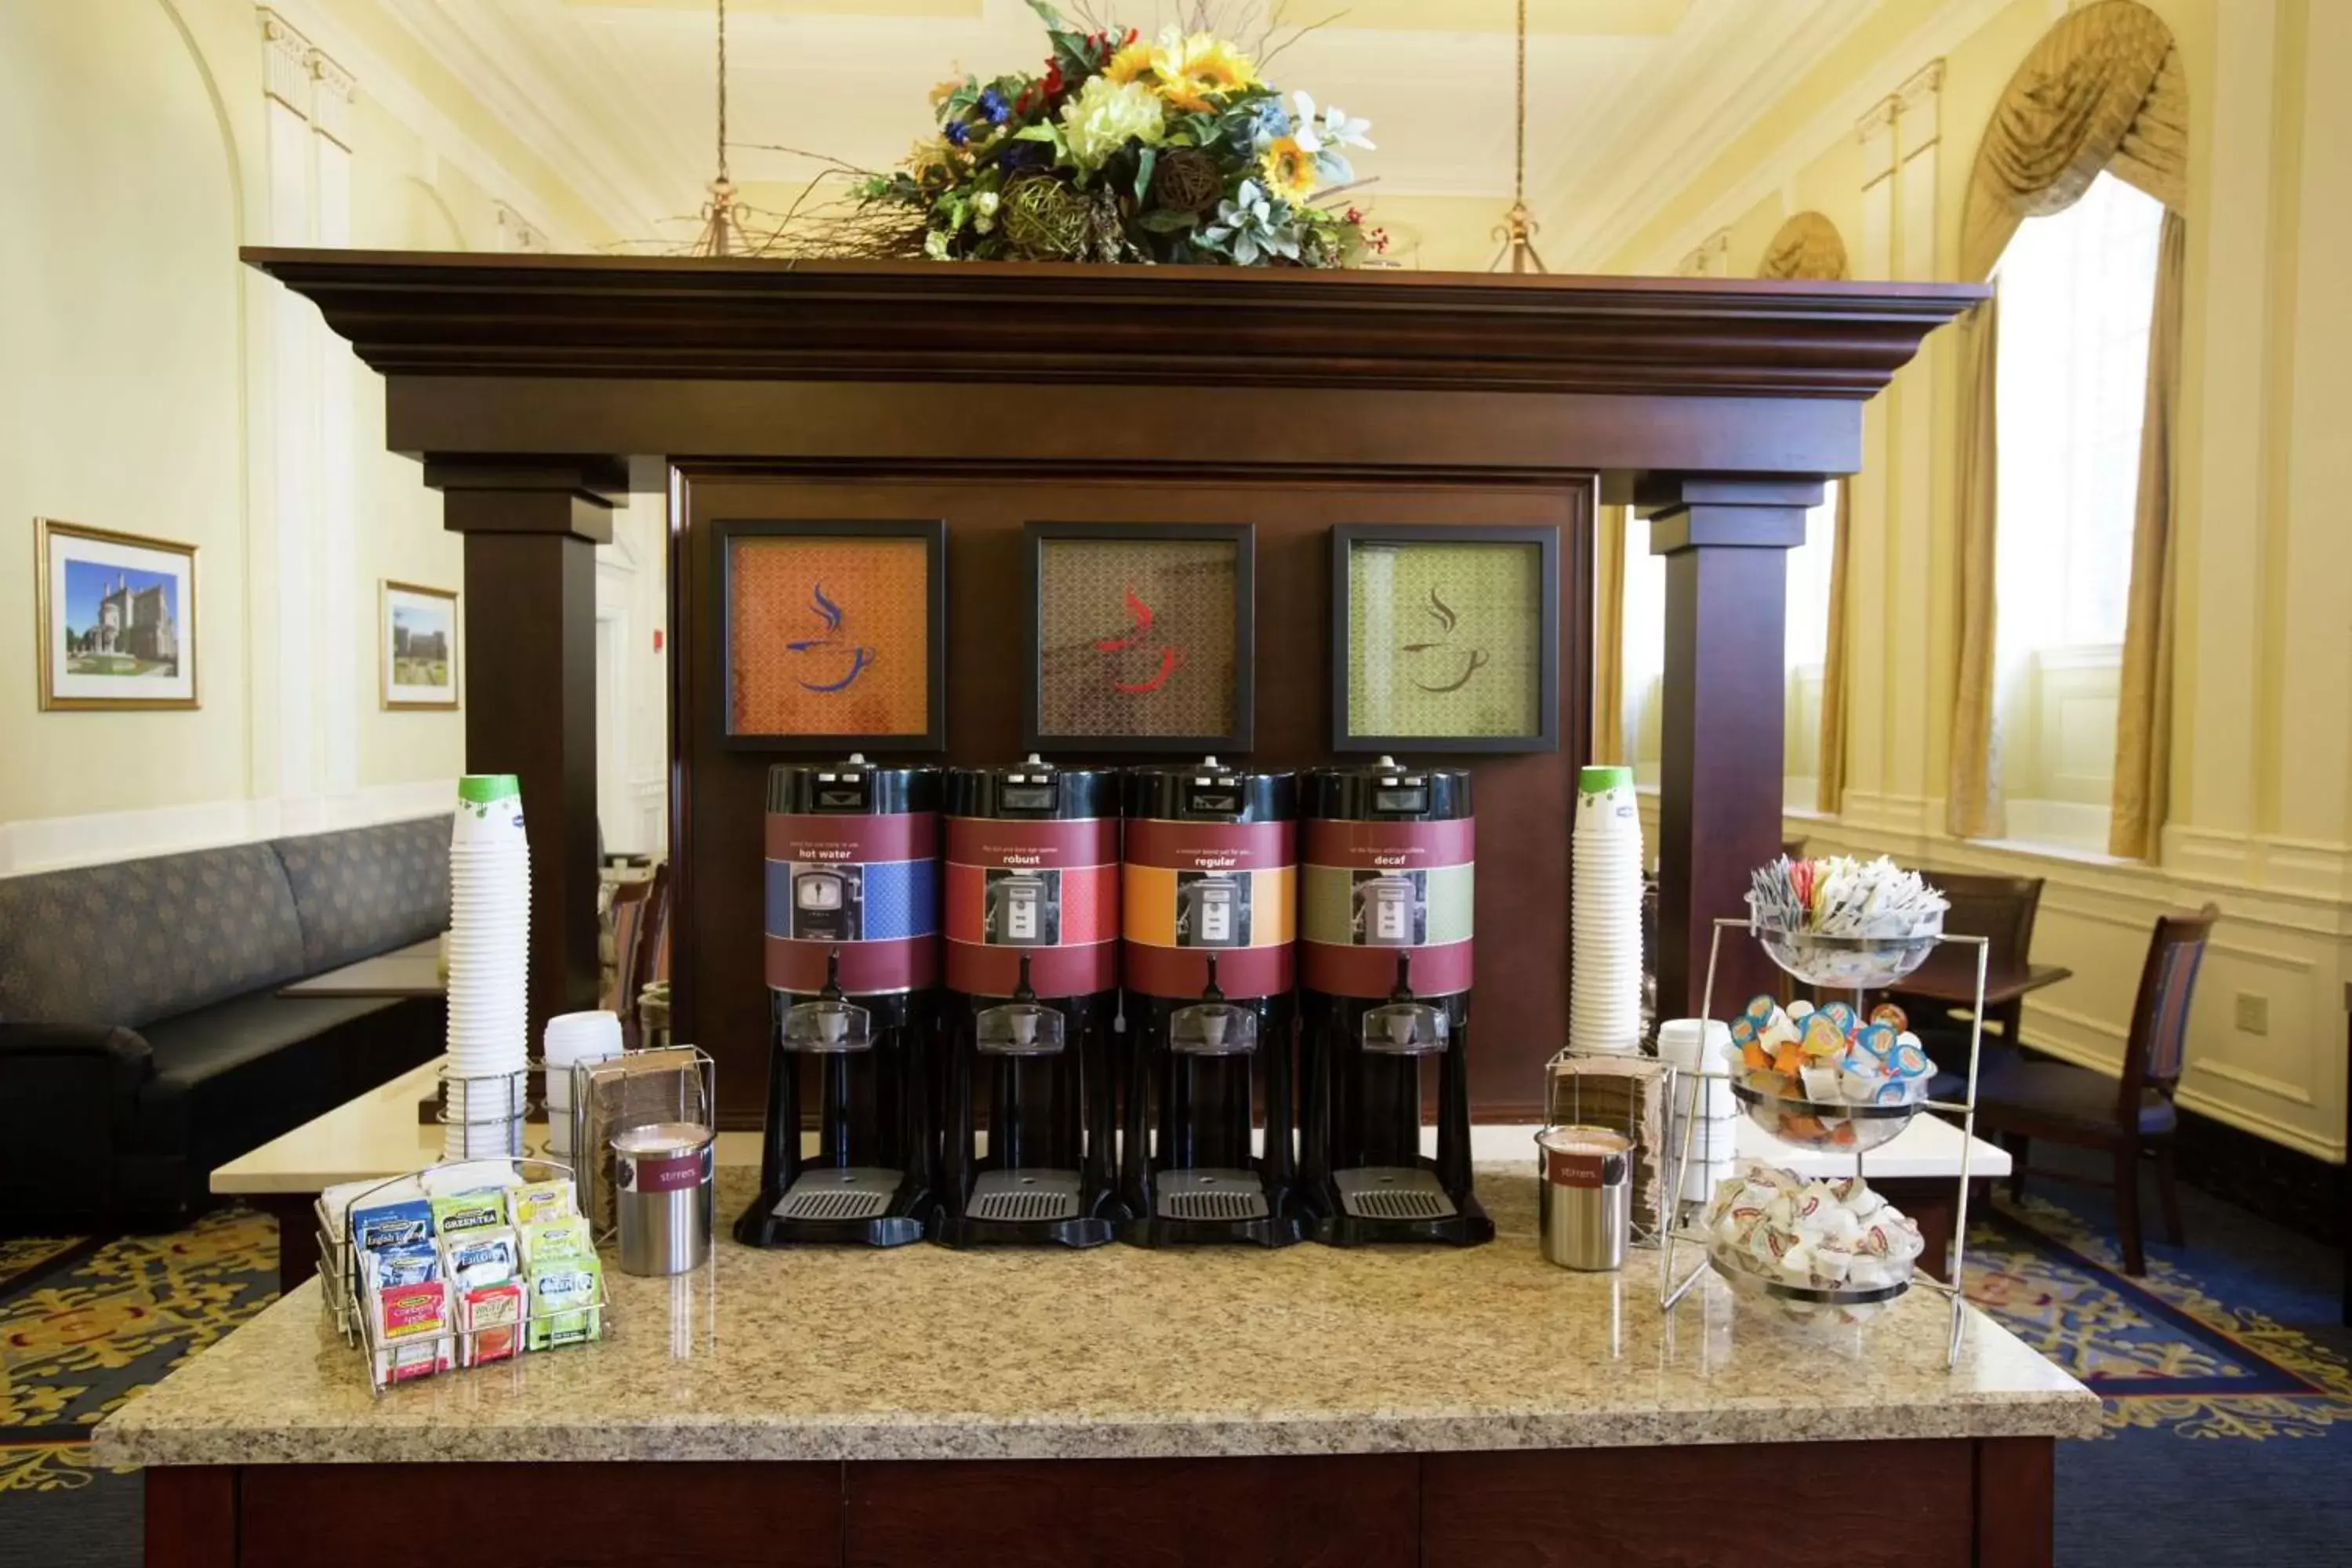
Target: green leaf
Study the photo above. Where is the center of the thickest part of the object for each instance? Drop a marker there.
(1151, 155)
(1049, 15)
(1161, 220)
(1044, 130)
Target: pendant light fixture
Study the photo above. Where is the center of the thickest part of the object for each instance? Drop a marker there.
(1517, 229)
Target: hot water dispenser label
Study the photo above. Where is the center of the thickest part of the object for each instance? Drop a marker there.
(864, 886)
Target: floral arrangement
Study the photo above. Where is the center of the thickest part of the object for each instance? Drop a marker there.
(1125, 148)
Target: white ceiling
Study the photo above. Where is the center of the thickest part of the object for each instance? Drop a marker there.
(1624, 95)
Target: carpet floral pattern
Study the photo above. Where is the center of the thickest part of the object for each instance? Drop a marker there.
(2162, 1352)
(86, 1326)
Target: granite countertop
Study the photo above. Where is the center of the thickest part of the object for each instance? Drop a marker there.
(923, 1353)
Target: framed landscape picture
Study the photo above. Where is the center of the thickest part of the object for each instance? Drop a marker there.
(419, 655)
(833, 636)
(117, 615)
(1142, 637)
(1444, 638)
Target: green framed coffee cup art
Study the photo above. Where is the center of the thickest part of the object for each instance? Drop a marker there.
(1444, 638)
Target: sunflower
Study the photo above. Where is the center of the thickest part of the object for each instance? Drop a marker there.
(1289, 169)
(1191, 69)
(1130, 62)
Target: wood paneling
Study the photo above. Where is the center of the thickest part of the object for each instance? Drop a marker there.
(1340, 1512)
(192, 1517)
(2016, 1503)
(1524, 803)
(542, 1516)
(1648, 1507)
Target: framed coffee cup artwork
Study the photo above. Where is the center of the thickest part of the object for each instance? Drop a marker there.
(1445, 639)
(1142, 637)
(832, 635)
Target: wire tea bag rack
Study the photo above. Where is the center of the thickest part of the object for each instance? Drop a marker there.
(343, 1288)
(1861, 964)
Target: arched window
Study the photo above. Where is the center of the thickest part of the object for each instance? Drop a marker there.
(2077, 288)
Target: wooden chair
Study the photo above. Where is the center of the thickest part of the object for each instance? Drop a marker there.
(2021, 1101)
(641, 952)
(2001, 909)
(631, 901)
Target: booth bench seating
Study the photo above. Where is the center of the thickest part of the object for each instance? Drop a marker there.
(142, 1041)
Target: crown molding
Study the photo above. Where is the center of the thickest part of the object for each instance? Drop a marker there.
(1953, 23)
(419, 315)
(534, 83)
(399, 97)
(1724, 78)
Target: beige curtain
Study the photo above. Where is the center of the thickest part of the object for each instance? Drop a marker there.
(2103, 91)
(1608, 744)
(1807, 245)
(2143, 713)
(1971, 804)
(1830, 797)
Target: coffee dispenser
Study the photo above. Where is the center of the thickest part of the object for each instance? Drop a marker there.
(1209, 895)
(853, 959)
(1384, 975)
(1032, 974)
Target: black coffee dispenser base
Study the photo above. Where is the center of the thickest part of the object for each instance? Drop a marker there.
(762, 1226)
(1277, 1230)
(1467, 1226)
(1084, 1231)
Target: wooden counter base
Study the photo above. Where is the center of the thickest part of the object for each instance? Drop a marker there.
(1939, 1504)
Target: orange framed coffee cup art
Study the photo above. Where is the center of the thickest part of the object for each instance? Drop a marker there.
(834, 635)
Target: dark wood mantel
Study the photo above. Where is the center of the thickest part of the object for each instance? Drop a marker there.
(1720, 406)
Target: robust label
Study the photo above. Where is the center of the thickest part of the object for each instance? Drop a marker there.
(865, 887)
(1048, 890)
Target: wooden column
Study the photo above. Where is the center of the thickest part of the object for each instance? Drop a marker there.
(1726, 541)
(531, 529)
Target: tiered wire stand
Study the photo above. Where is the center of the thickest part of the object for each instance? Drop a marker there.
(1860, 964)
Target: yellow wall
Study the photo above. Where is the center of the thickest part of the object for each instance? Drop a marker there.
(2262, 795)
(122, 405)
(133, 161)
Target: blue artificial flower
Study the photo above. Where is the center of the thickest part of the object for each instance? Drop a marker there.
(956, 132)
(1014, 156)
(1269, 120)
(993, 104)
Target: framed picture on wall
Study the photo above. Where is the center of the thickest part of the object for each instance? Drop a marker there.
(833, 636)
(1445, 639)
(117, 613)
(1142, 637)
(419, 657)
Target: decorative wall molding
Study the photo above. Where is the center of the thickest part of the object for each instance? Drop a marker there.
(398, 98)
(1938, 37)
(285, 61)
(55, 843)
(517, 233)
(334, 93)
(1711, 259)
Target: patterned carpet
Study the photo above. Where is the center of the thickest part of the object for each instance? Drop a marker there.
(85, 1325)
(2219, 1412)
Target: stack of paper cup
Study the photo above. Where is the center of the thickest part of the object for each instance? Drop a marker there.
(571, 1039)
(489, 963)
(1605, 946)
(1705, 1104)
